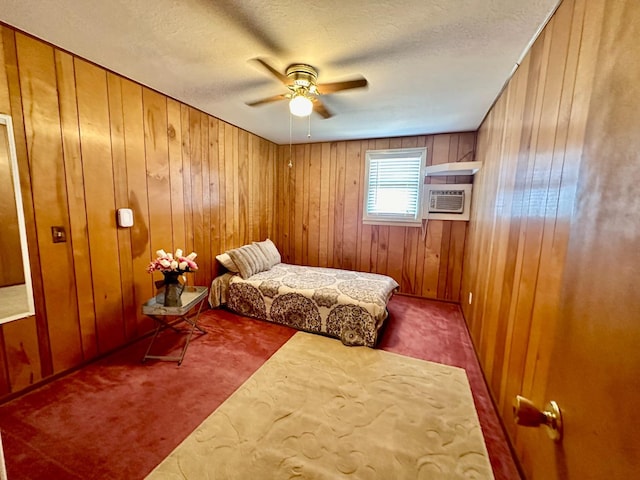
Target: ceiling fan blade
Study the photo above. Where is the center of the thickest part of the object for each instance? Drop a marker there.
(247, 19)
(325, 88)
(320, 109)
(283, 78)
(275, 98)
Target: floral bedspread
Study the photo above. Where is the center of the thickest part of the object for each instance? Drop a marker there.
(351, 306)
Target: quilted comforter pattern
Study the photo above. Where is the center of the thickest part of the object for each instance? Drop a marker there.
(348, 305)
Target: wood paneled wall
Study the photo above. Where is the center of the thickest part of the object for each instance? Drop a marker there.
(319, 222)
(90, 142)
(531, 147)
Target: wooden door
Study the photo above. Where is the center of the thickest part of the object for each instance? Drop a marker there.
(594, 374)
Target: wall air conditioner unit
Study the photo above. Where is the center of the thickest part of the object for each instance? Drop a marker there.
(447, 201)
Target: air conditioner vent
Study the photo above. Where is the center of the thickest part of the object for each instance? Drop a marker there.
(446, 201)
(450, 201)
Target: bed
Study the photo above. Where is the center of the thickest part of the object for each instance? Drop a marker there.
(348, 305)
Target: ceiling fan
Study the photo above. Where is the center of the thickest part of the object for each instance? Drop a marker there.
(304, 91)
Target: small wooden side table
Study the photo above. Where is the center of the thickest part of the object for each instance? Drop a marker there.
(167, 317)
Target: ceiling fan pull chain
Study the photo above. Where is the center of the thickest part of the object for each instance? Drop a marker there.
(309, 127)
(290, 120)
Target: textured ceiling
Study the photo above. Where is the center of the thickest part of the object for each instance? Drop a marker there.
(433, 66)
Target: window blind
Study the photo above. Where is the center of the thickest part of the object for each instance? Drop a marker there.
(394, 180)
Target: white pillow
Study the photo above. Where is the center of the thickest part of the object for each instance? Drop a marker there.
(226, 261)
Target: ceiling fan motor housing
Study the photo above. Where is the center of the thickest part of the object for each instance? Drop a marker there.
(303, 77)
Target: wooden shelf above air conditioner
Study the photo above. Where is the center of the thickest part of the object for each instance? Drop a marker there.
(455, 168)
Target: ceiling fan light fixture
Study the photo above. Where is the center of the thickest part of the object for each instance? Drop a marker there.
(300, 105)
(304, 91)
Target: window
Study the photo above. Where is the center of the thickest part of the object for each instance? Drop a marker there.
(393, 186)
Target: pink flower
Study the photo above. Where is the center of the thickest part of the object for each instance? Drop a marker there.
(168, 262)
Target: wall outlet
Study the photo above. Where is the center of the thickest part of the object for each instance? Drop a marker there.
(470, 298)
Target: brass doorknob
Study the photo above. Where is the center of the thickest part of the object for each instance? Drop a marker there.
(525, 413)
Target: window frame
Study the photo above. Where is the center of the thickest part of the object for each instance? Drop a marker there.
(418, 153)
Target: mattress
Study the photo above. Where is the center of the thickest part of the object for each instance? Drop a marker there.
(344, 304)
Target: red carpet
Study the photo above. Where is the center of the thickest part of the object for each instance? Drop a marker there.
(118, 418)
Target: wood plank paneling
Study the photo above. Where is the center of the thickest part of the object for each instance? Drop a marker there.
(206, 260)
(21, 347)
(196, 173)
(186, 178)
(139, 234)
(99, 179)
(327, 229)
(5, 382)
(244, 181)
(352, 199)
(215, 191)
(598, 331)
(328, 152)
(73, 169)
(5, 102)
(339, 157)
(174, 137)
(121, 197)
(531, 145)
(157, 163)
(315, 198)
(89, 142)
(16, 111)
(41, 112)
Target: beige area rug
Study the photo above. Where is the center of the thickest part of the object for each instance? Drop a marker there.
(319, 410)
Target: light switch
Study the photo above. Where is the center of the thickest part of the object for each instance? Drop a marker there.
(58, 235)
